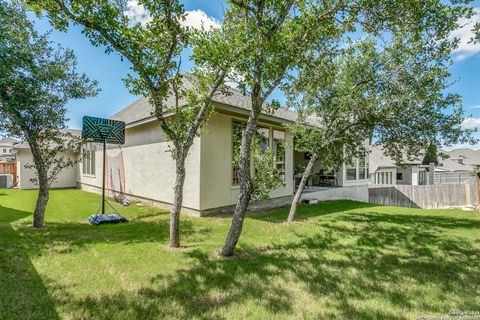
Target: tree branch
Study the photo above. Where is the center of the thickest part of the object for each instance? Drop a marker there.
(281, 18)
(116, 44)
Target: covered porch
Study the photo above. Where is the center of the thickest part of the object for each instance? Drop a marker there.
(320, 178)
(348, 182)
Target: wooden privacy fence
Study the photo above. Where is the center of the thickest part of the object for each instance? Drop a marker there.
(426, 196)
(9, 168)
(453, 177)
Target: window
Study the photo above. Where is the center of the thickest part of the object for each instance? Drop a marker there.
(362, 167)
(383, 178)
(279, 152)
(263, 135)
(266, 139)
(399, 175)
(351, 171)
(88, 159)
(422, 177)
(4, 150)
(237, 131)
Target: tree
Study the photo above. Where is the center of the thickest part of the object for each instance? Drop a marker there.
(431, 154)
(36, 81)
(154, 49)
(393, 91)
(276, 33)
(280, 35)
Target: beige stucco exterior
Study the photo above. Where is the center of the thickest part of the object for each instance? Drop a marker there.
(66, 179)
(216, 163)
(149, 167)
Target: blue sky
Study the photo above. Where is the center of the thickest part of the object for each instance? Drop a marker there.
(109, 70)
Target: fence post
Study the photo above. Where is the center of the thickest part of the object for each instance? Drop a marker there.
(468, 201)
(431, 173)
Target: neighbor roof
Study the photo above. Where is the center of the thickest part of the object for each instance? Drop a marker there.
(378, 159)
(453, 166)
(8, 141)
(25, 145)
(471, 157)
(141, 110)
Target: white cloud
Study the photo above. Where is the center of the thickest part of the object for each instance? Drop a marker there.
(474, 107)
(470, 123)
(197, 18)
(137, 12)
(193, 19)
(464, 34)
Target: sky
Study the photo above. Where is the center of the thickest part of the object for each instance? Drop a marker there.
(109, 70)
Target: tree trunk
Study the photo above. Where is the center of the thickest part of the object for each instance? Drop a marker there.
(43, 195)
(245, 186)
(301, 187)
(42, 200)
(177, 200)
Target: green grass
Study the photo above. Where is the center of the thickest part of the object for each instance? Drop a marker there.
(341, 260)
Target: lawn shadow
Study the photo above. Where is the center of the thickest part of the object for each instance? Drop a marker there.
(70, 237)
(23, 295)
(307, 211)
(383, 266)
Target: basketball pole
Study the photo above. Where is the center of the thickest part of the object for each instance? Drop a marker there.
(103, 177)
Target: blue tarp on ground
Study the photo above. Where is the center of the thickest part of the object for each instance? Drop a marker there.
(106, 218)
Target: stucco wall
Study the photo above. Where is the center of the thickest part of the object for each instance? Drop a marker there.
(216, 188)
(66, 179)
(149, 167)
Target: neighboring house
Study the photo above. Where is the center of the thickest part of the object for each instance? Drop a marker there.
(67, 178)
(211, 183)
(7, 163)
(384, 170)
(454, 168)
(465, 157)
(6, 150)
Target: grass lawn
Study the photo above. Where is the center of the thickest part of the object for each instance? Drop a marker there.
(342, 260)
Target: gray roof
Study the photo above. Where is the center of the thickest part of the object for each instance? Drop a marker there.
(8, 141)
(25, 145)
(453, 166)
(141, 109)
(471, 157)
(377, 159)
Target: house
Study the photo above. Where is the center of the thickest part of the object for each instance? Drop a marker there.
(211, 183)
(147, 169)
(67, 178)
(7, 163)
(454, 168)
(6, 150)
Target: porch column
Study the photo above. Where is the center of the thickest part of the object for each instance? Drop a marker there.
(414, 175)
(431, 173)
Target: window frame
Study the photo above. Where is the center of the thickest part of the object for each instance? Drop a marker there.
(234, 179)
(88, 160)
(234, 183)
(275, 145)
(351, 166)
